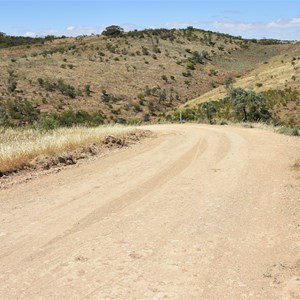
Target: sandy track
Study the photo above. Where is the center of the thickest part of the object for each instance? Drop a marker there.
(199, 212)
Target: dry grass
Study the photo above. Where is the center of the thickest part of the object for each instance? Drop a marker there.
(292, 131)
(275, 75)
(19, 146)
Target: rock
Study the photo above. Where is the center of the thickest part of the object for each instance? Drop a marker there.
(66, 159)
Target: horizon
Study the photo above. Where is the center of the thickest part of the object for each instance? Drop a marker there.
(248, 19)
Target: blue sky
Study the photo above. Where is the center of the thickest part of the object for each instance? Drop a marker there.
(250, 19)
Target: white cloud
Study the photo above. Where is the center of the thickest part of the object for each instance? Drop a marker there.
(81, 30)
(278, 29)
(292, 23)
(181, 24)
(30, 34)
(234, 25)
(70, 28)
(245, 26)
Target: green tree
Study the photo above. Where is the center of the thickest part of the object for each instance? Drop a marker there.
(113, 30)
(209, 110)
(248, 105)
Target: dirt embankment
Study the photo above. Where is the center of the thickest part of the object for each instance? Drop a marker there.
(54, 163)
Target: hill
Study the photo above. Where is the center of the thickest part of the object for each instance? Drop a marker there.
(276, 78)
(137, 76)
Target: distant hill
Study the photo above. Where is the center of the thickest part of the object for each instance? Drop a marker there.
(135, 76)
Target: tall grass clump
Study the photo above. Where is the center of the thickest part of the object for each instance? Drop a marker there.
(19, 146)
(293, 131)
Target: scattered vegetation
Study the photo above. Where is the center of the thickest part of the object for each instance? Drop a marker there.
(12, 41)
(108, 73)
(239, 105)
(60, 85)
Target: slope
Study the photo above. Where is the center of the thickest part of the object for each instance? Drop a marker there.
(136, 77)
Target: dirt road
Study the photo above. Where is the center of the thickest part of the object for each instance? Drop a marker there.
(199, 212)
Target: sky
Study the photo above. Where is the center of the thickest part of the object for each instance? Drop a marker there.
(249, 19)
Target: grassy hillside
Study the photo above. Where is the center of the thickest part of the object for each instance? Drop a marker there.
(277, 78)
(138, 76)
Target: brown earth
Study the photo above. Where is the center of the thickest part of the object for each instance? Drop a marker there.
(200, 212)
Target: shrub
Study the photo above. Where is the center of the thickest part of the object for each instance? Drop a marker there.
(65, 89)
(22, 110)
(209, 110)
(145, 50)
(213, 72)
(190, 66)
(105, 97)
(48, 123)
(187, 74)
(228, 82)
(198, 57)
(111, 48)
(162, 96)
(12, 83)
(87, 90)
(156, 49)
(165, 78)
(3, 117)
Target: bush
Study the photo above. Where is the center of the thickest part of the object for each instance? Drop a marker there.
(3, 117)
(60, 85)
(198, 57)
(165, 78)
(187, 74)
(105, 97)
(190, 66)
(87, 90)
(145, 50)
(48, 123)
(66, 89)
(22, 111)
(12, 83)
(213, 72)
(209, 110)
(293, 131)
(156, 49)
